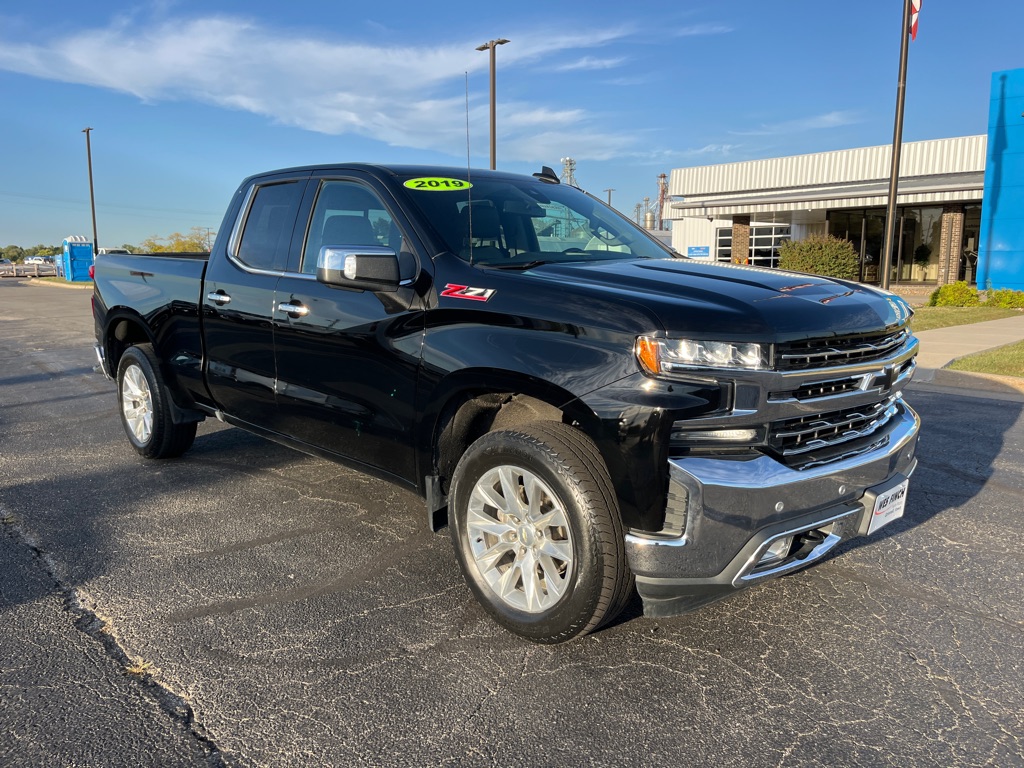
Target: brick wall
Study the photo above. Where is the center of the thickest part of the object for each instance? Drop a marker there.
(740, 239)
(950, 240)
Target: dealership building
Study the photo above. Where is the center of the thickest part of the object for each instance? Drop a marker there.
(960, 204)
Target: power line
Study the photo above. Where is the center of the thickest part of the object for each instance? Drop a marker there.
(18, 197)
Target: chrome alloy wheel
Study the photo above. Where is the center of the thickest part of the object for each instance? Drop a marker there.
(137, 403)
(520, 538)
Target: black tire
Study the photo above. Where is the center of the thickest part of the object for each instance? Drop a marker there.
(561, 532)
(144, 405)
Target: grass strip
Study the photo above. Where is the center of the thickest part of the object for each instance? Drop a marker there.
(930, 318)
(1007, 360)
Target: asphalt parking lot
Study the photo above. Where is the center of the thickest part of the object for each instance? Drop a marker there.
(249, 605)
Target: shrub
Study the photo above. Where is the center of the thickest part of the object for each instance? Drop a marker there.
(955, 295)
(824, 255)
(1005, 298)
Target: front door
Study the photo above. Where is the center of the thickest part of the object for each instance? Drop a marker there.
(347, 359)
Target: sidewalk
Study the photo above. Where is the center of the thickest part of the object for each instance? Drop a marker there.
(943, 345)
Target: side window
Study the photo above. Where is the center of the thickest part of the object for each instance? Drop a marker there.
(268, 226)
(347, 213)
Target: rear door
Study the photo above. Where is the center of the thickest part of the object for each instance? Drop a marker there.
(238, 299)
(347, 359)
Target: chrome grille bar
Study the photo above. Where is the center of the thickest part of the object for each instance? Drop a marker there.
(799, 436)
(819, 353)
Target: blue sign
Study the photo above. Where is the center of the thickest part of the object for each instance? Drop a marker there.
(698, 251)
(1001, 250)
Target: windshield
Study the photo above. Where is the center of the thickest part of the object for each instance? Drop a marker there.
(515, 223)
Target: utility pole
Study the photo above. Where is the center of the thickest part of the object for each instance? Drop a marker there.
(897, 141)
(92, 196)
(609, 191)
(490, 45)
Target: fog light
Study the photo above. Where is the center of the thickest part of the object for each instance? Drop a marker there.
(778, 551)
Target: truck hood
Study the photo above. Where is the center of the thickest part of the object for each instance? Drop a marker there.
(734, 302)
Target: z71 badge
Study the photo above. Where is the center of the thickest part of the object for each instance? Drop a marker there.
(468, 292)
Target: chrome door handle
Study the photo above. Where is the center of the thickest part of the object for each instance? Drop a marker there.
(218, 298)
(293, 309)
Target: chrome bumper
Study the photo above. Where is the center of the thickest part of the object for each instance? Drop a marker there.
(730, 511)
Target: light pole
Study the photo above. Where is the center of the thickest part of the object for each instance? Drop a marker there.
(92, 196)
(490, 45)
(897, 143)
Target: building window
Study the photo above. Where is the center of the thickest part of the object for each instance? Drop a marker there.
(723, 244)
(765, 240)
(916, 241)
(969, 245)
(918, 260)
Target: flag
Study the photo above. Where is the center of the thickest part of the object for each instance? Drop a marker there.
(915, 11)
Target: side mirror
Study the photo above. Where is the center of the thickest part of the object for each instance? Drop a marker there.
(369, 267)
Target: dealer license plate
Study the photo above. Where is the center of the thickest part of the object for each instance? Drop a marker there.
(888, 507)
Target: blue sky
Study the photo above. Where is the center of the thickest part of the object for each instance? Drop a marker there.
(187, 98)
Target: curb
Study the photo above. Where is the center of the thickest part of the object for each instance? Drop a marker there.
(986, 382)
(73, 286)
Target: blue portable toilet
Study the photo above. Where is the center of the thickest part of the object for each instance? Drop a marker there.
(75, 259)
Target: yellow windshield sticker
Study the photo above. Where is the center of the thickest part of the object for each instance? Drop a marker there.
(437, 184)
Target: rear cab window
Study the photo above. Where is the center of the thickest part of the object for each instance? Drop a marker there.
(267, 225)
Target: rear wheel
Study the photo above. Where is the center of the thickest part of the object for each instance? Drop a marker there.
(536, 529)
(145, 407)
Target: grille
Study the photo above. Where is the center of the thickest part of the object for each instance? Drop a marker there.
(826, 353)
(817, 389)
(830, 432)
(821, 389)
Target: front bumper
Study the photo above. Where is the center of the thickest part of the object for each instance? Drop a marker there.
(731, 511)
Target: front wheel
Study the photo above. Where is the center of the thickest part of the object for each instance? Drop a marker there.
(145, 407)
(536, 529)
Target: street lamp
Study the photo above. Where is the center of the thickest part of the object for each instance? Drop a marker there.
(490, 45)
(92, 197)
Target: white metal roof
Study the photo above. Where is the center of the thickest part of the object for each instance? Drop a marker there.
(938, 170)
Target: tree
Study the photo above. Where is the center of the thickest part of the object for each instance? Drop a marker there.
(14, 252)
(43, 250)
(196, 241)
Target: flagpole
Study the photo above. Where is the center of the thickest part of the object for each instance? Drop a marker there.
(897, 141)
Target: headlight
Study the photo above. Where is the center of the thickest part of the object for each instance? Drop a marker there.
(666, 356)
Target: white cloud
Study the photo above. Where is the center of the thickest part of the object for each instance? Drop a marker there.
(579, 144)
(590, 62)
(834, 119)
(668, 156)
(702, 29)
(411, 96)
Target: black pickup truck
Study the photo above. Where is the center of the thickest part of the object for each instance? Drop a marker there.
(587, 410)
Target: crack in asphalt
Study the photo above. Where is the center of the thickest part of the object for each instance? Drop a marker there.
(87, 619)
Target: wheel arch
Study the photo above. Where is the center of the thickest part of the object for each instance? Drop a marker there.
(473, 403)
(126, 328)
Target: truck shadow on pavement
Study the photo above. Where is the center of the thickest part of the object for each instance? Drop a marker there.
(961, 440)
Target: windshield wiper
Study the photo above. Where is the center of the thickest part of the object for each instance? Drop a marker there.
(518, 265)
